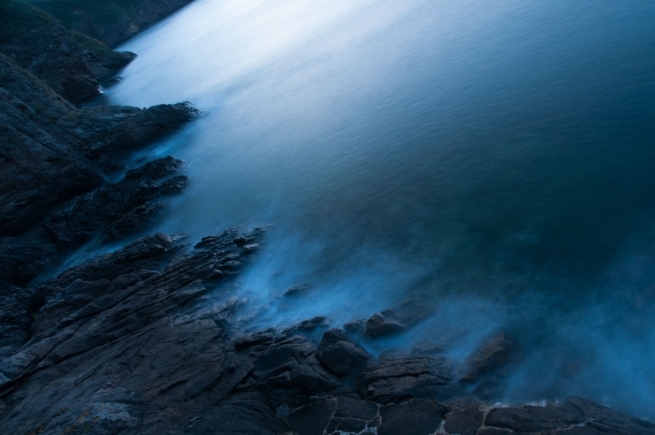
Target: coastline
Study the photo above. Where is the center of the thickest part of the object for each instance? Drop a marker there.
(125, 343)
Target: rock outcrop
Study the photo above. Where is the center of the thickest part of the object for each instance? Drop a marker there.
(51, 151)
(147, 340)
(70, 63)
(53, 156)
(110, 22)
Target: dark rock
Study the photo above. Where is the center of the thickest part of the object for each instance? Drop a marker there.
(70, 63)
(110, 22)
(492, 357)
(532, 418)
(49, 159)
(134, 342)
(334, 416)
(356, 327)
(311, 378)
(116, 209)
(109, 213)
(487, 431)
(246, 414)
(378, 325)
(580, 430)
(248, 340)
(394, 321)
(353, 416)
(108, 134)
(39, 169)
(575, 417)
(126, 313)
(313, 323)
(312, 419)
(606, 420)
(403, 378)
(297, 290)
(464, 422)
(416, 417)
(340, 354)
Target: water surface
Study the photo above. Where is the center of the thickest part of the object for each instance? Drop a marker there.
(494, 159)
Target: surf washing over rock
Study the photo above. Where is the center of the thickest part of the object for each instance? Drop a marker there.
(337, 306)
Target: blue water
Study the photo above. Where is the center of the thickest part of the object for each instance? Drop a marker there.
(495, 159)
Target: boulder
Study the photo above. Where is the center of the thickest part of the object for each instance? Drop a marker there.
(340, 354)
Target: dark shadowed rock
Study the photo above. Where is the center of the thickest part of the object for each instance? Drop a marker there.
(50, 157)
(400, 378)
(491, 431)
(313, 323)
(110, 22)
(355, 328)
(39, 169)
(415, 417)
(111, 212)
(353, 416)
(464, 422)
(142, 341)
(379, 325)
(244, 414)
(70, 63)
(312, 419)
(580, 430)
(607, 420)
(575, 417)
(126, 312)
(297, 290)
(118, 208)
(494, 355)
(392, 321)
(109, 134)
(340, 354)
(532, 418)
(334, 416)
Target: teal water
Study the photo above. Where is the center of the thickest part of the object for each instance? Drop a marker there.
(495, 159)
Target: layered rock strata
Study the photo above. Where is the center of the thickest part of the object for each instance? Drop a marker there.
(72, 64)
(149, 340)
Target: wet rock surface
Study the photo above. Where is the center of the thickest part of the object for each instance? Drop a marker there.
(390, 322)
(146, 340)
(106, 214)
(117, 208)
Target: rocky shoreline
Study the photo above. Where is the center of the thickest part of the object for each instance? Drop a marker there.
(150, 338)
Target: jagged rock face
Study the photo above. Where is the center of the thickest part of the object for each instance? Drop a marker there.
(119, 208)
(106, 214)
(49, 150)
(70, 63)
(122, 325)
(51, 154)
(109, 134)
(39, 169)
(146, 340)
(110, 22)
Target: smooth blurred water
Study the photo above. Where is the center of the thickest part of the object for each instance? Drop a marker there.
(495, 159)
